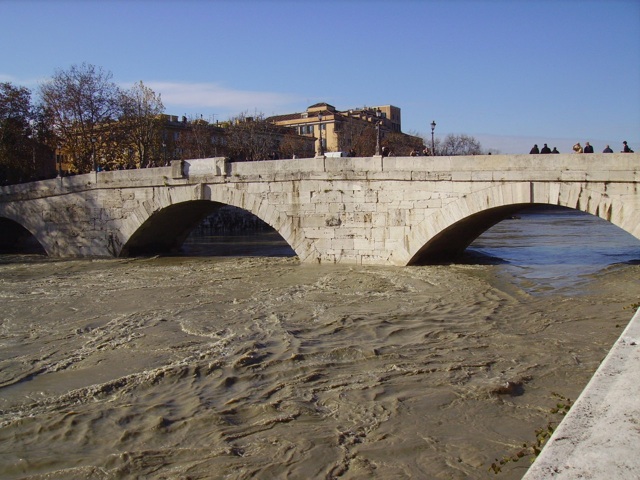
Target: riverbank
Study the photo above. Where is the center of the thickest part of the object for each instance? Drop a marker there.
(600, 435)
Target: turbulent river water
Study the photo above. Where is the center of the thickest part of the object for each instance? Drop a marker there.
(260, 367)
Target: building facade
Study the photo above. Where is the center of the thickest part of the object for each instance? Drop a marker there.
(350, 131)
(243, 139)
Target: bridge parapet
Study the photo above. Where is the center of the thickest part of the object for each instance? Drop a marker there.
(517, 168)
(158, 176)
(482, 168)
(201, 167)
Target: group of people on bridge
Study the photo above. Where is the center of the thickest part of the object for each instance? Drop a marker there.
(588, 148)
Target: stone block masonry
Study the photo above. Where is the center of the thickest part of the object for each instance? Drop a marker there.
(374, 210)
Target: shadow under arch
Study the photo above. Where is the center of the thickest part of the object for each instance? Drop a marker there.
(166, 230)
(450, 243)
(14, 238)
(444, 236)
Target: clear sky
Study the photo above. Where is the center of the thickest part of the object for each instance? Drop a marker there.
(509, 72)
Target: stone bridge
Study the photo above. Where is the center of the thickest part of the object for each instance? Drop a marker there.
(374, 210)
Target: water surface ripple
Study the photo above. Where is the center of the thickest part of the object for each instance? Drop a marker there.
(258, 367)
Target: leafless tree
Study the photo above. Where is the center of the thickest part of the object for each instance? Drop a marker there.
(251, 138)
(141, 118)
(24, 139)
(15, 114)
(200, 139)
(401, 144)
(359, 137)
(82, 102)
(293, 144)
(462, 144)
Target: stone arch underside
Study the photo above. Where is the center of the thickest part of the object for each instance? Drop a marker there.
(19, 232)
(167, 228)
(15, 238)
(163, 223)
(445, 234)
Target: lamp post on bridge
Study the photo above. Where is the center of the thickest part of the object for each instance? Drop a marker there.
(93, 157)
(433, 143)
(31, 135)
(58, 155)
(378, 127)
(320, 146)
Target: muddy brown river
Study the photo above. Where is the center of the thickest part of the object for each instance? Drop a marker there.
(264, 368)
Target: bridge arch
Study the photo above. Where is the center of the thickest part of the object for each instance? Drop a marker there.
(16, 238)
(22, 231)
(163, 223)
(448, 232)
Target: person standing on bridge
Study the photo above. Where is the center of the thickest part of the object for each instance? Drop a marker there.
(607, 150)
(577, 148)
(555, 150)
(545, 149)
(588, 148)
(534, 150)
(626, 148)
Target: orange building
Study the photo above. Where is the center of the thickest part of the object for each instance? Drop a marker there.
(342, 131)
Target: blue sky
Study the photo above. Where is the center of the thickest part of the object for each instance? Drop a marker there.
(509, 72)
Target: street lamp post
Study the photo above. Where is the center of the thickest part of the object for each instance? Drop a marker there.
(378, 132)
(58, 157)
(320, 146)
(93, 157)
(32, 138)
(93, 153)
(433, 143)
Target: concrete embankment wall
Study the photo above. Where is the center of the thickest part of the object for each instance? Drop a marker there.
(600, 436)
